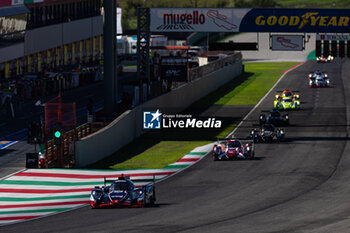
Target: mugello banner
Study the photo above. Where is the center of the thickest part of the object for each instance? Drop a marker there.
(10, 2)
(249, 20)
(20, 2)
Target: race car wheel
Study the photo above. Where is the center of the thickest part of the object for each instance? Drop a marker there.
(153, 199)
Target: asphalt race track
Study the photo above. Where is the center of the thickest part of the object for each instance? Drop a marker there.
(299, 185)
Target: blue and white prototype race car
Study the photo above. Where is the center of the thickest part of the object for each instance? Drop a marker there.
(122, 192)
(274, 117)
(318, 79)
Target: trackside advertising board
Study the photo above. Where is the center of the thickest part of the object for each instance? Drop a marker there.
(332, 37)
(287, 42)
(249, 20)
(10, 2)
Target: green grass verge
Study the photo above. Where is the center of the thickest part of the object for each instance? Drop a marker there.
(158, 148)
(254, 84)
(160, 155)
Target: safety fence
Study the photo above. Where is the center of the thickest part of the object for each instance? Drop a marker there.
(198, 72)
(62, 155)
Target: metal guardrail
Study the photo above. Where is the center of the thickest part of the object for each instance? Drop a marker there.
(213, 66)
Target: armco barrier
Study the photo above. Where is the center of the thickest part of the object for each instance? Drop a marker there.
(128, 126)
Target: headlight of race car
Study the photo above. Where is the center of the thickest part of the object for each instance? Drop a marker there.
(261, 117)
(287, 117)
(327, 81)
(96, 194)
(310, 75)
(248, 148)
(252, 132)
(281, 131)
(317, 58)
(326, 75)
(310, 82)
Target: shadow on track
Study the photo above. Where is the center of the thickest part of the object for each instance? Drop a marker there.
(5, 151)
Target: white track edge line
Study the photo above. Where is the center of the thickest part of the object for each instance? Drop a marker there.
(12, 174)
(262, 99)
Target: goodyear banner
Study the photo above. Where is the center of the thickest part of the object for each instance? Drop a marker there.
(249, 20)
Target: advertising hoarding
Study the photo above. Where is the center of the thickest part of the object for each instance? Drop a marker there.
(249, 20)
(119, 21)
(287, 42)
(196, 19)
(174, 72)
(332, 37)
(11, 2)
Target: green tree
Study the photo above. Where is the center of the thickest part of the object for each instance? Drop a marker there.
(255, 3)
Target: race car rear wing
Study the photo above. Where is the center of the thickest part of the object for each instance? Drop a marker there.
(293, 91)
(267, 111)
(313, 72)
(240, 139)
(122, 177)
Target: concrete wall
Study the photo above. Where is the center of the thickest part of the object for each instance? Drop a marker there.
(202, 61)
(41, 39)
(107, 140)
(128, 126)
(264, 52)
(11, 52)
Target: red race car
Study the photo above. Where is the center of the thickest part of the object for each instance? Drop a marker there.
(233, 149)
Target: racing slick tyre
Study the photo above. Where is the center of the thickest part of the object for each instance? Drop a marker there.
(153, 198)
